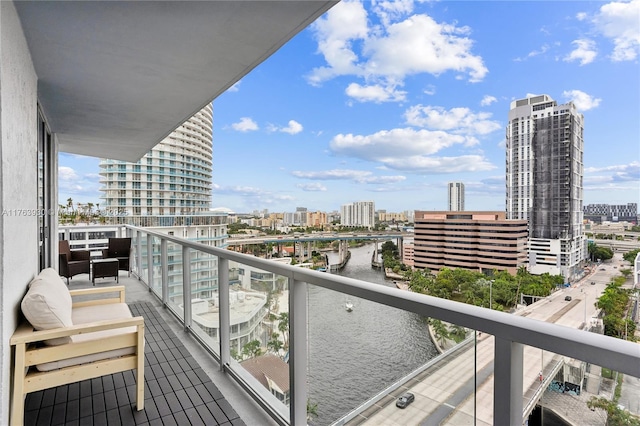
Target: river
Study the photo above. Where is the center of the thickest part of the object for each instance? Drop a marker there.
(354, 355)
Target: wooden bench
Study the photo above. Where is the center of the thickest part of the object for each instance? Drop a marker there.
(103, 339)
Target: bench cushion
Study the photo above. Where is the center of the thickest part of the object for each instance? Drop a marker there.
(47, 304)
(88, 314)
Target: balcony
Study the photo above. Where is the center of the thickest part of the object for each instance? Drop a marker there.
(500, 362)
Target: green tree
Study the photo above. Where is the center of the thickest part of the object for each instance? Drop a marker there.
(615, 301)
(283, 327)
(440, 331)
(599, 253)
(631, 255)
(458, 333)
(275, 344)
(615, 416)
(252, 349)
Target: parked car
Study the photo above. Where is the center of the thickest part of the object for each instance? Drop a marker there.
(567, 298)
(405, 400)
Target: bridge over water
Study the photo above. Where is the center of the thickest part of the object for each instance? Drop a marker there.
(303, 243)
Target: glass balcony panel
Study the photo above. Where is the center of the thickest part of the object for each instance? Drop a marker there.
(144, 261)
(259, 334)
(558, 388)
(156, 284)
(366, 351)
(175, 292)
(135, 267)
(205, 304)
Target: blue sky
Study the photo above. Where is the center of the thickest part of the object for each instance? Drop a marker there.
(388, 101)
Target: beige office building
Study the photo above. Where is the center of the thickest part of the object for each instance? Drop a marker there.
(480, 241)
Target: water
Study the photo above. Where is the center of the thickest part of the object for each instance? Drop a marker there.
(354, 355)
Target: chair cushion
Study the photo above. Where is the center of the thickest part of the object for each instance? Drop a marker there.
(47, 304)
(88, 314)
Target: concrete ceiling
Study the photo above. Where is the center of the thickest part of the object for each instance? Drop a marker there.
(116, 77)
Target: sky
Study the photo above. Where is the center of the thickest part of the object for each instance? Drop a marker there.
(388, 101)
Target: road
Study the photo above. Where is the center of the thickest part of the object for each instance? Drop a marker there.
(446, 396)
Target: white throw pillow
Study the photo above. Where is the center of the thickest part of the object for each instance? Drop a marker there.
(47, 304)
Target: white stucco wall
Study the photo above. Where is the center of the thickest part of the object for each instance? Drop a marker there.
(18, 183)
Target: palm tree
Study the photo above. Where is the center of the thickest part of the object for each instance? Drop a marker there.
(283, 327)
(440, 331)
(458, 333)
(70, 203)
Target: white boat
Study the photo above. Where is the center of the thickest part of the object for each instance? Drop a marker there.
(348, 306)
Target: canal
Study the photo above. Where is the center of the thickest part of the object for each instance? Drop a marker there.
(354, 355)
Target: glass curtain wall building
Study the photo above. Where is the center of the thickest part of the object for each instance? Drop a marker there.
(174, 178)
(544, 171)
(169, 190)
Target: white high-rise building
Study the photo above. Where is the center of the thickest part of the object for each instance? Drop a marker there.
(456, 196)
(174, 178)
(544, 181)
(360, 213)
(169, 190)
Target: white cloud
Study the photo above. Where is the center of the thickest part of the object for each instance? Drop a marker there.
(67, 174)
(254, 196)
(387, 144)
(410, 150)
(342, 24)
(312, 187)
(582, 100)
(585, 52)
(292, 128)
(245, 124)
(383, 54)
(488, 100)
(359, 176)
(421, 164)
(72, 184)
(457, 120)
(534, 53)
(430, 90)
(388, 11)
(581, 16)
(336, 174)
(375, 93)
(618, 21)
(235, 87)
(443, 47)
(616, 173)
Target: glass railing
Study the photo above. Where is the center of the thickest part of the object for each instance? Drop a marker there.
(294, 345)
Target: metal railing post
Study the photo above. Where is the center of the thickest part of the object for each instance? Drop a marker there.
(507, 385)
(186, 286)
(165, 271)
(225, 313)
(298, 351)
(139, 253)
(149, 260)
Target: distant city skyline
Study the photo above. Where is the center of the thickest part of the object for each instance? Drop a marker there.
(342, 113)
